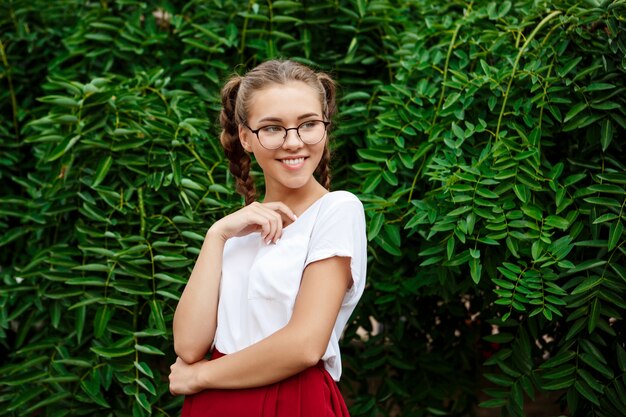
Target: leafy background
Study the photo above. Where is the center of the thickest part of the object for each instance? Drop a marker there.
(486, 140)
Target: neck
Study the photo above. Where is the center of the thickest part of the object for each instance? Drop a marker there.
(298, 199)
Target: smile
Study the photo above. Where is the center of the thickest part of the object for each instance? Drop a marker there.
(293, 162)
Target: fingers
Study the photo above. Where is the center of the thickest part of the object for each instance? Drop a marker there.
(266, 218)
(269, 221)
(281, 207)
(172, 391)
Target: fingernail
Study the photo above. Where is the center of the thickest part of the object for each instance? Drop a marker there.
(295, 217)
(268, 241)
(277, 240)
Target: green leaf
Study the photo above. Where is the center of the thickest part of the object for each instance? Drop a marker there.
(192, 235)
(457, 130)
(562, 72)
(577, 108)
(483, 192)
(596, 86)
(586, 392)
(432, 261)
(79, 326)
(558, 384)
(142, 399)
(561, 358)
(372, 155)
(597, 365)
(102, 170)
(621, 357)
(589, 264)
(557, 221)
(595, 315)
(501, 380)
(371, 182)
(606, 134)
(93, 268)
(560, 373)
(588, 284)
(192, 185)
(63, 147)
(605, 218)
(156, 314)
(475, 270)
(536, 249)
(151, 350)
(613, 177)
(48, 400)
(493, 403)
(112, 352)
(144, 368)
(533, 212)
(146, 385)
(103, 315)
(375, 225)
(607, 188)
(603, 201)
(619, 270)
(615, 234)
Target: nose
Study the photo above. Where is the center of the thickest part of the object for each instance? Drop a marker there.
(292, 140)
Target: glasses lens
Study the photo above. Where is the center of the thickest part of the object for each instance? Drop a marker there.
(312, 132)
(272, 137)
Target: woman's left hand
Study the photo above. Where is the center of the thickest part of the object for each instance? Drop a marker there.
(184, 377)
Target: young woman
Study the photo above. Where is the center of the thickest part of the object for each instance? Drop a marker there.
(275, 282)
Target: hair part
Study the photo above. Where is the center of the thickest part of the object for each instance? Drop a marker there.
(236, 95)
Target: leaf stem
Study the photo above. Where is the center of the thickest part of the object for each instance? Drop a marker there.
(5, 62)
(142, 213)
(445, 75)
(516, 63)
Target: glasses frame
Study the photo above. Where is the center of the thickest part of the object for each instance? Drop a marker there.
(256, 132)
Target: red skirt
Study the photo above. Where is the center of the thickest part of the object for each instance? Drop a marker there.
(310, 393)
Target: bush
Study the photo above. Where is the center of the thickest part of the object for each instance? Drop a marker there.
(485, 140)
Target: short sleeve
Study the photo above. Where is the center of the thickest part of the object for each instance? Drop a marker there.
(339, 230)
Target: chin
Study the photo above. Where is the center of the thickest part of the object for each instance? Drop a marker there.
(296, 183)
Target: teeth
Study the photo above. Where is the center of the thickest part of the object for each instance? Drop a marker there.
(293, 161)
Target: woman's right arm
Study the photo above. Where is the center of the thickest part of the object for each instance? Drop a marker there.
(195, 318)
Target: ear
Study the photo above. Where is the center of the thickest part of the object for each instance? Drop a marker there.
(244, 138)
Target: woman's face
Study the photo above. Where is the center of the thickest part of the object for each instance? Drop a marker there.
(291, 166)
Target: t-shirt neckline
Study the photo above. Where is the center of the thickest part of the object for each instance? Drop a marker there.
(306, 210)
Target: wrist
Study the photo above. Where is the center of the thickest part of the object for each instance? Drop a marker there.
(201, 379)
(214, 234)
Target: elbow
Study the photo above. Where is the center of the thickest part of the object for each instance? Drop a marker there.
(189, 354)
(311, 352)
(309, 346)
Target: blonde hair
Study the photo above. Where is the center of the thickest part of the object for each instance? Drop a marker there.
(236, 95)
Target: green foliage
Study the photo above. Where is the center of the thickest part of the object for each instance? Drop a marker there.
(484, 138)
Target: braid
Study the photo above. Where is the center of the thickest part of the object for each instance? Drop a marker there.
(239, 160)
(330, 92)
(323, 169)
(330, 107)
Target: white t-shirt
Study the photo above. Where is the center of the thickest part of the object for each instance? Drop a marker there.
(260, 282)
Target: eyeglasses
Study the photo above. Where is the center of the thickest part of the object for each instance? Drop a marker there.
(274, 136)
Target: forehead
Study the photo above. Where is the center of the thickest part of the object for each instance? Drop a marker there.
(284, 101)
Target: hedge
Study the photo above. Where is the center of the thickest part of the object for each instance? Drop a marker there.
(486, 140)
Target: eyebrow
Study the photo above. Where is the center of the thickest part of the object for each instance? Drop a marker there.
(278, 119)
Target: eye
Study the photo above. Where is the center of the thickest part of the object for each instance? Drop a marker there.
(309, 125)
(272, 129)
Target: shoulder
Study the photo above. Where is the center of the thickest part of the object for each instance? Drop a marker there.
(340, 197)
(339, 205)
